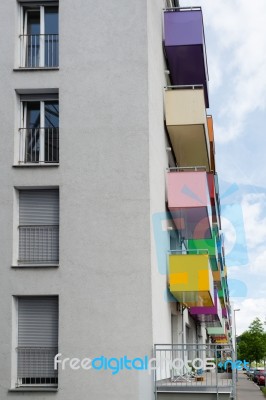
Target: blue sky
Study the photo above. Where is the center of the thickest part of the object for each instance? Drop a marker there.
(235, 34)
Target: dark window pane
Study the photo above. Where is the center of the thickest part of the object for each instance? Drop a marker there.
(51, 37)
(51, 131)
(32, 132)
(33, 39)
(33, 114)
(51, 20)
(51, 114)
(33, 27)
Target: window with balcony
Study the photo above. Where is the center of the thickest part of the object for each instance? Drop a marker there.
(39, 39)
(37, 341)
(39, 131)
(38, 227)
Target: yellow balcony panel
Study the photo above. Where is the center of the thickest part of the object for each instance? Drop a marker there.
(190, 279)
(186, 122)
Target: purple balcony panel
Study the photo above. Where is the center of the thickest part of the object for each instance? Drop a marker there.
(224, 313)
(185, 48)
(211, 316)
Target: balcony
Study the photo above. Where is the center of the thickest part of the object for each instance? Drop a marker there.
(225, 313)
(223, 292)
(219, 334)
(189, 203)
(210, 316)
(186, 123)
(36, 366)
(190, 279)
(182, 372)
(38, 244)
(185, 49)
(215, 202)
(39, 51)
(39, 146)
(208, 244)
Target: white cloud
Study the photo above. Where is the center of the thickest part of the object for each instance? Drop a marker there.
(253, 207)
(249, 309)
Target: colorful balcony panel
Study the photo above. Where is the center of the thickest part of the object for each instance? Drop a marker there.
(207, 244)
(217, 278)
(185, 48)
(190, 279)
(220, 247)
(220, 340)
(189, 203)
(218, 331)
(216, 218)
(212, 145)
(225, 313)
(211, 316)
(187, 126)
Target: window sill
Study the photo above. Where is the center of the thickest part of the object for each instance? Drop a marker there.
(33, 389)
(26, 69)
(21, 266)
(35, 165)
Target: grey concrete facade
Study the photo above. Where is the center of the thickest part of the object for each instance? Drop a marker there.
(111, 180)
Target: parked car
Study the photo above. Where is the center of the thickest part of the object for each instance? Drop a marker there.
(261, 378)
(256, 374)
(250, 372)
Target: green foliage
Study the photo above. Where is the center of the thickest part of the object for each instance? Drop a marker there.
(252, 343)
(263, 389)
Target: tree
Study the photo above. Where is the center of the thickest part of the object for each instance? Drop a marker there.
(252, 343)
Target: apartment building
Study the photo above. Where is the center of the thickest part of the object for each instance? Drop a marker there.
(111, 241)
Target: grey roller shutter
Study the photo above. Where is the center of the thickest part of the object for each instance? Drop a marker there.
(37, 339)
(39, 226)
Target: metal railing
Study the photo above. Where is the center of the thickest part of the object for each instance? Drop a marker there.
(194, 368)
(189, 251)
(38, 145)
(35, 366)
(193, 8)
(38, 244)
(187, 169)
(186, 87)
(39, 51)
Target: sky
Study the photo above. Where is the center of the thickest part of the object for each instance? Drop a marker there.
(235, 33)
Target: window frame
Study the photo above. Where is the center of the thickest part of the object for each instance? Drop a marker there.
(15, 385)
(26, 6)
(24, 99)
(16, 224)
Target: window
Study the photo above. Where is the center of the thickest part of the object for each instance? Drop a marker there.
(38, 227)
(37, 340)
(39, 38)
(39, 131)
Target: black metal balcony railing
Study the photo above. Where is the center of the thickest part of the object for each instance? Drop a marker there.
(36, 366)
(194, 368)
(39, 51)
(39, 145)
(38, 244)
